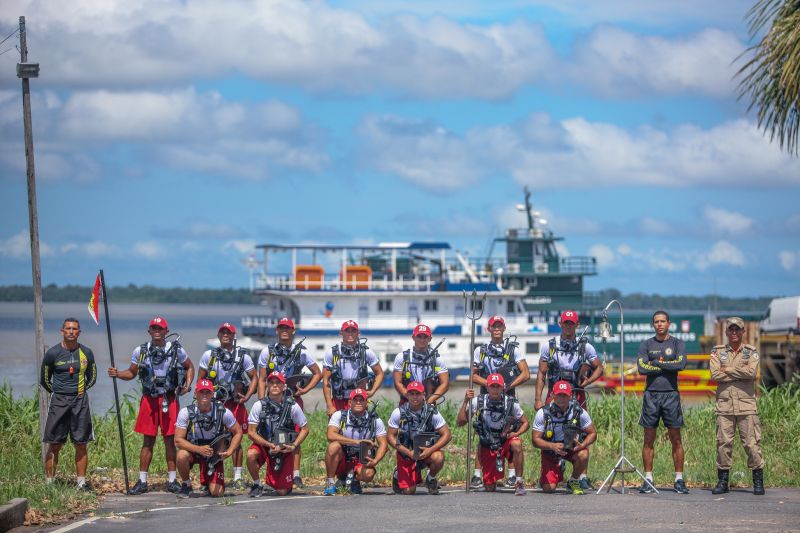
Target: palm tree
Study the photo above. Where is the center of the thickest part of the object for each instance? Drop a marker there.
(771, 76)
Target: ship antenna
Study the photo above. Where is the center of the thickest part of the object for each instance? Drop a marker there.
(528, 208)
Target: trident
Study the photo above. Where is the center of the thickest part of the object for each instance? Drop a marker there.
(471, 312)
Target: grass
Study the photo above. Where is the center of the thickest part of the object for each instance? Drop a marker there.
(21, 472)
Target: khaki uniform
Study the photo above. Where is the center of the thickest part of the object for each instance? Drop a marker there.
(736, 372)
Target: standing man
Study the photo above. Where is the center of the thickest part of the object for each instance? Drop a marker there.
(735, 367)
(569, 359)
(421, 364)
(660, 358)
(345, 367)
(288, 358)
(233, 374)
(156, 364)
(506, 359)
(68, 371)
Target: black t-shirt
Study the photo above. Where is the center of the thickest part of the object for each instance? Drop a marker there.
(662, 376)
(56, 376)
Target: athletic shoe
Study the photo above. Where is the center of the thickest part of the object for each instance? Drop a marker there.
(519, 489)
(330, 490)
(585, 484)
(476, 482)
(433, 485)
(139, 488)
(680, 487)
(84, 487)
(395, 484)
(355, 487)
(204, 491)
(256, 490)
(186, 491)
(511, 482)
(238, 484)
(574, 487)
(298, 482)
(174, 487)
(646, 488)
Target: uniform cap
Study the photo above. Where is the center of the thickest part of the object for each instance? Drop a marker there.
(495, 379)
(417, 386)
(358, 392)
(160, 322)
(286, 321)
(227, 325)
(349, 324)
(562, 387)
(570, 316)
(495, 319)
(422, 329)
(204, 384)
(735, 321)
(277, 375)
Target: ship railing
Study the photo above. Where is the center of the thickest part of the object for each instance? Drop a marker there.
(387, 283)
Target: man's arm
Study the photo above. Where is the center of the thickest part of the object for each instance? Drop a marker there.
(540, 377)
(236, 431)
(376, 368)
(334, 436)
(46, 372)
(189, 366)
(316, 376)
(591, 436)
(523, 377)
(91, 370)
(444, 384)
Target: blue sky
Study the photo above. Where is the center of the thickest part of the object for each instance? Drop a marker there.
(172, 136)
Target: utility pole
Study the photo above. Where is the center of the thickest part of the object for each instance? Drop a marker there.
(25, 71)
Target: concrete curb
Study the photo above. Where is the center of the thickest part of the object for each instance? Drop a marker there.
(12, 514)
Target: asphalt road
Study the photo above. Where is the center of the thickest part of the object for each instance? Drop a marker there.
(452, 511)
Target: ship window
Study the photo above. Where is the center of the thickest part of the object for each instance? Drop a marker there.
(431, 305)
(531, 347)
(476, 305)
(320, 347)
(510, 307)
(451, 345)
(384, 305)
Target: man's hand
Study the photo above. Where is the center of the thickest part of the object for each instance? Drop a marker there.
(112, 372)
(469, 395)
(558, 448)
(183, 390)
(205, 451)
(331, 409)
(424, 454)
(226, 454)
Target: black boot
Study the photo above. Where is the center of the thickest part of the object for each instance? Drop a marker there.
(722, 483)
(758, 481)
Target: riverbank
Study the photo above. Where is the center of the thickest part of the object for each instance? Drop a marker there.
(21, 473)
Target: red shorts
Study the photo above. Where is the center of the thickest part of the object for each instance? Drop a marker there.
(580, 396)
(151, 419)
(345, 466)
(341, 404)
(217, 478)
(280, 480)
(407, 473)
(488, 459)
(551, 473)
(239, 411)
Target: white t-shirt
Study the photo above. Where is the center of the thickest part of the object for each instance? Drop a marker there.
(419, 371)
(159, 370)
(489, 420)
(228, 420)
(558, 423)
(348, 365)
(352, 433)
(304, 360)
(298, 417)
(224, 377)
(437, 419)
(493, 363)
(566, 360)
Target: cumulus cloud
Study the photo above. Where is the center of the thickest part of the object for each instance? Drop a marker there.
(722, 253)
(789, 259)
(242, 246)
(727, 221)
(627, 258)
(605, 255)
(18, 246)
(148, 250)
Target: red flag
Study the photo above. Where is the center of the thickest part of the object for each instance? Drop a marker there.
(94, 301)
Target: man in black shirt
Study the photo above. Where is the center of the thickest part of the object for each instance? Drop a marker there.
(68, 371)
(660, 358)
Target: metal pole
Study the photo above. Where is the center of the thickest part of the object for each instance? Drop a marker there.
(33, 224)
(472, 315)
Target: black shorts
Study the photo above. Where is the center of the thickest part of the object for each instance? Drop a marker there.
(664, 406)
(68, 415)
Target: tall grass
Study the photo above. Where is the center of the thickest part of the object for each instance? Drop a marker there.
(21, 472)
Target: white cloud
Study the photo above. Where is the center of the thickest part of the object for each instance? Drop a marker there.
(148, 249)
(788, 259)
(722, 253)
(242, 246)
(653, 226)
(727, 221)
(628, 259)
(605, 255)
(18, 246)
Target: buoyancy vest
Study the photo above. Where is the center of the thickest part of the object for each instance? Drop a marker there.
(556, 372)
(497, 411)
(233, 364)
(275, 416)
(359, 423)
(284, 360)
(428, 360)
(342, 387)
(150, 355)
(413, 423)
(569, 420)
(208, 422)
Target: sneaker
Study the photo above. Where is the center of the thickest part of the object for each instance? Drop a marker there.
(330, 490)
(585, 484)
(256, 490)
(432, 484)
(395, 484)
(511, 482)
(238, 484)
(680, 487)
(476, 482)
(84, 487)
(574, 487)
(204, 490)
(298, 482)
(186, 491)
(646, 488)
(139, 488)
(519, 489)
(174, 487)
(355, 487)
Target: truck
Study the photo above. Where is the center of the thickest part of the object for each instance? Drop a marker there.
(782, 316)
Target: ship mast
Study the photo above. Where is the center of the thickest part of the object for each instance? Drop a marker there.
(528, 208)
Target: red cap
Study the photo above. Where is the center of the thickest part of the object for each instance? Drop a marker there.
(358, 392)
(562, 387)
(495, 379)
(160, 322)
(417, 386)
(570, 316)
(227, 325)
(277, 375)
(285, 321)
(422, 329)
(495, 319)
(204, 384)
(349, 324)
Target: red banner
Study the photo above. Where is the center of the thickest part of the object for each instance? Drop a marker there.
(94, 301)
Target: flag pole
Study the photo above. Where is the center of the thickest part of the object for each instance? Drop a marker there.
(114, 380)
